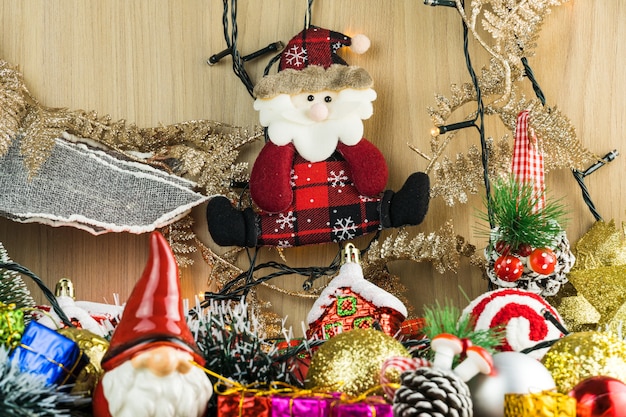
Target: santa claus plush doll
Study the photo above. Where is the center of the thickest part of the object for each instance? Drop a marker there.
(148, 369)
(317, 179)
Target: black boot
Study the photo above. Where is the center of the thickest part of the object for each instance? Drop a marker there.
(407, 206)
(229, 226)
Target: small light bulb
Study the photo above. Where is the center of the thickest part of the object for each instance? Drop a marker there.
(440, 130)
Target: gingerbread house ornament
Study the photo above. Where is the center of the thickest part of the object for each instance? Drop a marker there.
(352, 302)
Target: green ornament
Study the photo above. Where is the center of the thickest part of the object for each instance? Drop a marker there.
(11, 325)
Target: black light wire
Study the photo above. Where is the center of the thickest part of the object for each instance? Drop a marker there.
(241, 285)
(480, 115)
(13, 266)
(231, 43)
(579, 176)
(580, 179)
(531, 77)
(234, 290)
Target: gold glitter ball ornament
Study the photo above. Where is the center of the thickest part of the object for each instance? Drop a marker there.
(351, 362)
(581, 355)
(94, 347)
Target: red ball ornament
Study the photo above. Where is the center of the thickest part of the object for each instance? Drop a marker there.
(600, 396)
(508, 268)
(524, 249)
(542, 261)
(502, 247)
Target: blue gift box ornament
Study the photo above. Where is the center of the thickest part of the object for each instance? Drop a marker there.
(45, 352)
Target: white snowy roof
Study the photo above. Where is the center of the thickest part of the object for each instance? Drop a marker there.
(351, 275)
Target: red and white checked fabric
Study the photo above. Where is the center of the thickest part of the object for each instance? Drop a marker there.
(398, 364)
(527, 164)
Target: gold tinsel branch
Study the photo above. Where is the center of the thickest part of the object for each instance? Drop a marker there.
(442, 248)
(182, 239)
(513, 28)
(453, 180)
(554, 130)
(12, 104)
(201, 150)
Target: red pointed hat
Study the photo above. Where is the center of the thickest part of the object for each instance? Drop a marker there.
(153, 314)
(310, 63)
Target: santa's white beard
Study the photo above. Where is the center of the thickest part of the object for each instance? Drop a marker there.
(316, 140)
(134, 392)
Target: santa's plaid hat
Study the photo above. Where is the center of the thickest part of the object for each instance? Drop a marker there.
(310, 63)
(153, 315)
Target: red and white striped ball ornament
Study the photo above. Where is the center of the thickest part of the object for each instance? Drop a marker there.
(521, 314)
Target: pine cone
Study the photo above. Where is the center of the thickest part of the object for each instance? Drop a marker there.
(430, 392)
(544, 285)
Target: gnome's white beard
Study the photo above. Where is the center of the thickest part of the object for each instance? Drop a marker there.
(316, 140)
(133, 392)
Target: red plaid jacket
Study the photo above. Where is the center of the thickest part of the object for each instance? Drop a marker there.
(306, 202)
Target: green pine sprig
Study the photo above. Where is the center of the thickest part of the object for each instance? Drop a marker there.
(26, 394)
(447, 318)
(512, 208)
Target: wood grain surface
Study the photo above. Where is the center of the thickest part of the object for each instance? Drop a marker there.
(145, 61)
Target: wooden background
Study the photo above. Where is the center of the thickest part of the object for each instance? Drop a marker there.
(145, 61)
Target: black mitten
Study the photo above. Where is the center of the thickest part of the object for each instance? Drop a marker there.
(229, 226)
(407, 206)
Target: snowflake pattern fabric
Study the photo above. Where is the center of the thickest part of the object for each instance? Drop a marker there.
(314, 46)
(295, 56)
(326, 207)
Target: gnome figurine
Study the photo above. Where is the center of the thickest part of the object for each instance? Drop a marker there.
(148, 369)
(317, 179)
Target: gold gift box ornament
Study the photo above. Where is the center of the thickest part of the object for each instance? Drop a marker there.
(541, 404)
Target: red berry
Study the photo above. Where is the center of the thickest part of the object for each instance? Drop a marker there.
(508, 268)
(524, 249)
(542, 261)
(502, 247)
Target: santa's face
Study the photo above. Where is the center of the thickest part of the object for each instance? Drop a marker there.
(137, 391)
(316, 122)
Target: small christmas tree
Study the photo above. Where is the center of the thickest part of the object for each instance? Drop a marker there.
(13, 289)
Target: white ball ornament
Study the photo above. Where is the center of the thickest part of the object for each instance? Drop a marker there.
(514, 373)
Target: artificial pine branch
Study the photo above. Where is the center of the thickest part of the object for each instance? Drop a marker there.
(513, 207)
(447, 318)
(24, 394)
(231, 341)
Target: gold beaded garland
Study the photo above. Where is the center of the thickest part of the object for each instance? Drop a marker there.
(351, 361)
